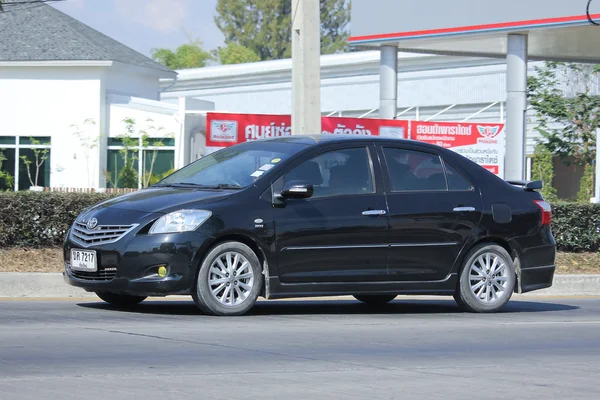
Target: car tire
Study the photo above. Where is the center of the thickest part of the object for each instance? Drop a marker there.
(375, 300)
(487, 279)
(120, 300)
(229, 269)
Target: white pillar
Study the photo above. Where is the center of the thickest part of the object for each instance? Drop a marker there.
(388, 82)
(516, 107)
(306, 68)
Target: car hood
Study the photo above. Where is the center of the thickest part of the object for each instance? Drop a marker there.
(163, 200)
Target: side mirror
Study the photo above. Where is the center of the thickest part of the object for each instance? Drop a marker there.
(297, 190)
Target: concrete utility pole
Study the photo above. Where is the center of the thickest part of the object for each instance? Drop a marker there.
(388, 82)
(516, 106)
(596, 198)
(306, 67)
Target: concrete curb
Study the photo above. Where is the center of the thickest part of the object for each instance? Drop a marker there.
(52, 285)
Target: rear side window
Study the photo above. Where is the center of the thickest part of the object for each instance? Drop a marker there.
(411, 170)
(455, 180)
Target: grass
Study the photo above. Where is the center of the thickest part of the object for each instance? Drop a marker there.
(50, 260)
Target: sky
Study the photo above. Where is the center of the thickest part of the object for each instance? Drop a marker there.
(146, 24)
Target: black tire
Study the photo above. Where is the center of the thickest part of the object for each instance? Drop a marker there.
(375, 300)
(202, 293)
(121, 300)
(468, 300)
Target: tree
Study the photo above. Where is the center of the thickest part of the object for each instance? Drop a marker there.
(565, 100)
(543, 170)
(264, 26)
(189, 55)
(235, 53)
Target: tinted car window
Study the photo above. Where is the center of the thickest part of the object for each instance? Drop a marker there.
(335, 173)
(455, 180)
(241, 165)
(411, 170)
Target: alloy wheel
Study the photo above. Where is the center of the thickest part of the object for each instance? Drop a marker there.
(488, 278)
(230, 278)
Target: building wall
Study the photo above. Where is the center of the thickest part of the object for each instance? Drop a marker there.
(47, 101)
(132, 81)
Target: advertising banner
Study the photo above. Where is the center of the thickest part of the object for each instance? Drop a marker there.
(482, 143)
(225, 129)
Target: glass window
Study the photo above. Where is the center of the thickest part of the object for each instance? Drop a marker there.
(34, 168)
(414, 170)
(8, 140)
(160, 142)
(335, 173)
(240, 166)
(456, 181)
(122, 169)
(7, 169)
(158, 164)
(35, 140)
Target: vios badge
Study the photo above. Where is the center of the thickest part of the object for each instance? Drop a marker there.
(92, 223)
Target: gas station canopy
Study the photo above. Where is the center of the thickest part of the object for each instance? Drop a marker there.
(557, 29)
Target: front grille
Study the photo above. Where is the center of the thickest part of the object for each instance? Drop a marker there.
(103, 274)
(101, 234)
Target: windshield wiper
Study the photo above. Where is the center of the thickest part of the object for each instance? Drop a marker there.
(201, 186)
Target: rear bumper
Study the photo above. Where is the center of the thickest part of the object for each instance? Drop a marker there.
(536, 278)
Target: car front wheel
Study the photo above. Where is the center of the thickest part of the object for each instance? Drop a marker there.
(120, 300)
(487, 279)
(229, 280)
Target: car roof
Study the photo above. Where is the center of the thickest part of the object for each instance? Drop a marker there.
(312, 140)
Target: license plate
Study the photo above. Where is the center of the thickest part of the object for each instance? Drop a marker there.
(84, 260)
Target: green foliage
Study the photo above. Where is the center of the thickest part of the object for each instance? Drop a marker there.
(7, 180)
(264, 26)
(235, 53)
(574, 226)
(543, 170)
(189, 55)
(568, 112)
(40, 219)
(586, 186)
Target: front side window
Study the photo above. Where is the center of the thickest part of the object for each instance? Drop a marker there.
(336, 173)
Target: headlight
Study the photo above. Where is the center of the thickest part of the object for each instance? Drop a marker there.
(180, 221)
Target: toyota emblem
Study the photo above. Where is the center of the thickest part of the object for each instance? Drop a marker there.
(92, 223)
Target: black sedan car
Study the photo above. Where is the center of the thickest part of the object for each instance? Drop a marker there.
(306, 216)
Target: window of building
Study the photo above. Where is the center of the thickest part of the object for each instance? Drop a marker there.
(124, 168)
(24, 162)
(336, 173)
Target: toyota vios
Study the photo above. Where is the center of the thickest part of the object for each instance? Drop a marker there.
(318, 216)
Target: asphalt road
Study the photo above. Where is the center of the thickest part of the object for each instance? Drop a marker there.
(410, 349)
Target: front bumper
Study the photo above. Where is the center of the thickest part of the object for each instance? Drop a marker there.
(130, 265)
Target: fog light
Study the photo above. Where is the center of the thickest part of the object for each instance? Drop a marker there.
(162, 271)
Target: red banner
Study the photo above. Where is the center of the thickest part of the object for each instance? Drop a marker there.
(224, 129)
(483, 143)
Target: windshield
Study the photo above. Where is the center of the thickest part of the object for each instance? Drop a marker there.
(235, 167)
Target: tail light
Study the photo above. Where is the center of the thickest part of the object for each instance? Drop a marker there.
(546, 211)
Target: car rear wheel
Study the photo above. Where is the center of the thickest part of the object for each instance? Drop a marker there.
(229, 280)
(487, 279)
(375, 300)
(120, 300)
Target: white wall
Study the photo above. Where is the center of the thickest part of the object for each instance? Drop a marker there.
(132, 81)
(46, 101)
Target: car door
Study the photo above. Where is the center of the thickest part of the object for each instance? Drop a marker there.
(340, 233)
(433, 211)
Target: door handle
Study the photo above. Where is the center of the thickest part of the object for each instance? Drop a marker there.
(374, 212)
(463, 209)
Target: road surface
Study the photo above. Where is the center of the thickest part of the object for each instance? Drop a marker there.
(538, 348)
